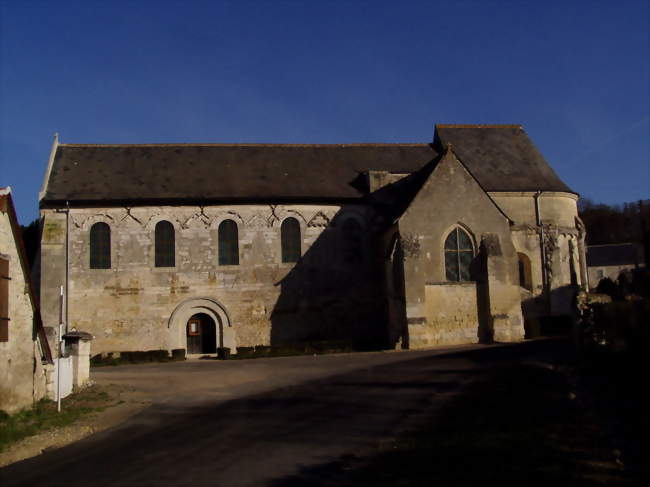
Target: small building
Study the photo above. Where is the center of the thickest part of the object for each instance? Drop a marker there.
(470, 236)
(25, 357)
(610, 260)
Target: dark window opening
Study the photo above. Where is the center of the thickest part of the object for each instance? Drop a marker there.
(525, 277)
(165, 244)
(100, 246)
(290, 239)
(201, 334)
(352, 240)
(228, 243)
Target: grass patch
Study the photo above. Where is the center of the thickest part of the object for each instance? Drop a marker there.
(43, 415)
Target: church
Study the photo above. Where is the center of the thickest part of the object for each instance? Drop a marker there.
(470, 237)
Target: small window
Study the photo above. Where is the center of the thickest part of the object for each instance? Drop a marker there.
(290, 237)
(165, 244)
(525, 278)
(228, 243)
(352, 240)
(100, 246)
(459, 254)
(4, 299)
(600, 274)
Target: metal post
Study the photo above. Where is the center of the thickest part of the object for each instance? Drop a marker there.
(60, 352)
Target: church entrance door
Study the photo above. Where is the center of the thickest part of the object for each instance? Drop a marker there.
(201, 334)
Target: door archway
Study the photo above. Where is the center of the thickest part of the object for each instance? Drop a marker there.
(225, 332)
(201, 334)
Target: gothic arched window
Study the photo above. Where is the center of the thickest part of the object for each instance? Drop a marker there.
(165, 244)
(352, 241)
(459, 253)
(228, 243)
(100, 246)
(290, 239)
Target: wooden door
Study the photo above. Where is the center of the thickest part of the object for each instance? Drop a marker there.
(194, 335)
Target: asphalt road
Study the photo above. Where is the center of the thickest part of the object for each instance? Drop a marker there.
(257, 422)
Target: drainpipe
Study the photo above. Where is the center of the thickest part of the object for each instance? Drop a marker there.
(67, 263)
(538, 221)
(545, 285)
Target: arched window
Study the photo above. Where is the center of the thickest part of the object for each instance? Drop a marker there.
(290, 238)
(228, 243)
(100, 246)
(165, 244)
(352, 240)
(525, 278)
(459, 253)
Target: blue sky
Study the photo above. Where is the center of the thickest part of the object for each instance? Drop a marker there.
(574, 73)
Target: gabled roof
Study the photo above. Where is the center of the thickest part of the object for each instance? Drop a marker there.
(223, 171)
(500, 158)
(393, 200)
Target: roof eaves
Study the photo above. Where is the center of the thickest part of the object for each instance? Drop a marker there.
(252, 144)
(50, 163)
(5, 193)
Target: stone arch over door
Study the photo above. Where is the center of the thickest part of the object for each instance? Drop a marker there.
(177, 324)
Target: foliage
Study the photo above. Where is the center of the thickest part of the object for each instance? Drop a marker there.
(608, 224)
(138, 357)
(31, 235)
(629, 283)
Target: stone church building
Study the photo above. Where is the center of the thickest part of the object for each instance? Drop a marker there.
(471, 237)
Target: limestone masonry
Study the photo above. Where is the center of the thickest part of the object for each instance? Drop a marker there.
(199, 246)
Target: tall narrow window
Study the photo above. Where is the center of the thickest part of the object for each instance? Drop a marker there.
(290, 237)
(525, 277)
(459, 253)
(100, 246)
(228, 243)
(352, 239)
(165, 244)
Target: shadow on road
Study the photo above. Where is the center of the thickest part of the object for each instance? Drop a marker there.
(479, 415)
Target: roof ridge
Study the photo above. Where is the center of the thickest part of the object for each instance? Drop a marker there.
(257, 144)
(476, 125)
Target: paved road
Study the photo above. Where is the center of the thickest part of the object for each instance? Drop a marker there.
(257, 422)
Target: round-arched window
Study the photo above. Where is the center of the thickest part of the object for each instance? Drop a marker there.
(100, 246)
(290, 240)
(165, 243)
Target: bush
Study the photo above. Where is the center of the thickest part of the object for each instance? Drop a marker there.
(178, 354)
(623, 325)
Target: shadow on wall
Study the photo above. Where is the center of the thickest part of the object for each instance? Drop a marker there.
(334, 290)
(550, 315)
(479, 271)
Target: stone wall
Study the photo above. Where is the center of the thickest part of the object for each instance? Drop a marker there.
(22, 376)
(452, 198)
(554, 286)
(260, 301)
(452, 315)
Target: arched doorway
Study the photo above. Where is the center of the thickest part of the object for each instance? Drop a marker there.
(226, 335)
(201, 334)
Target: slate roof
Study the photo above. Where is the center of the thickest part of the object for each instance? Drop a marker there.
(501, 157)
(96, 174)
(613, 254)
